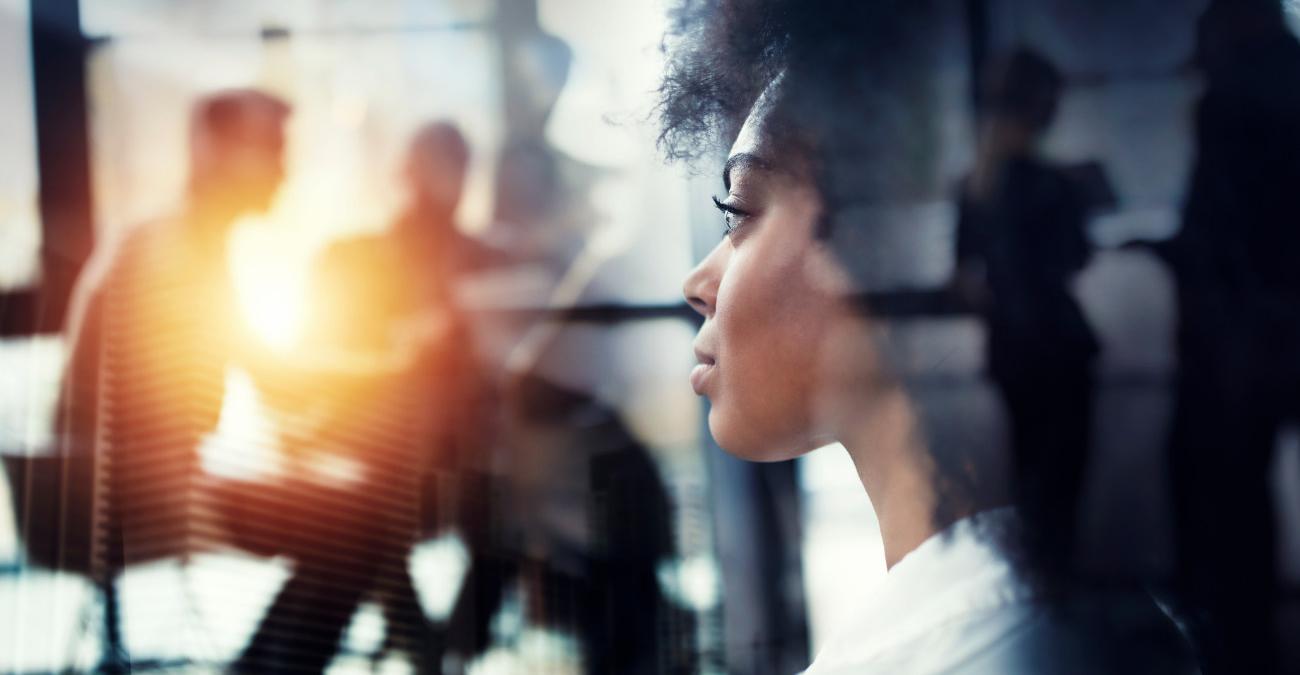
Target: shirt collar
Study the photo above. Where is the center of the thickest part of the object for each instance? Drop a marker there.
(960, 570)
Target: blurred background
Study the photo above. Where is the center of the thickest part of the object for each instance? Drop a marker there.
(481, 175)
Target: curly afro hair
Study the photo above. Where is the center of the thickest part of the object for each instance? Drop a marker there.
(852, 100)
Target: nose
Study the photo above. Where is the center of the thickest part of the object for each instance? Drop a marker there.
(701, 285)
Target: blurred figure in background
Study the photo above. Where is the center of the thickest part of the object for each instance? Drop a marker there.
(152, 328)
(374, 296)
(395, 291)
(1239, 328)
(369, 289)
(1020, 243)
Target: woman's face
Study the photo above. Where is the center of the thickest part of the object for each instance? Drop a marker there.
(772, 296)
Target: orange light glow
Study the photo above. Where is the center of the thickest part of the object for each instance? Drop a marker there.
(274, 312)
(270, 283)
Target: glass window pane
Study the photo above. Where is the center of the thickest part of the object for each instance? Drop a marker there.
(19, 221)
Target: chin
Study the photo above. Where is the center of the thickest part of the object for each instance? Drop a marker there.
(752, 442)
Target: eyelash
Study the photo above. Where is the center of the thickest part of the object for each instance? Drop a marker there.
(732, 217)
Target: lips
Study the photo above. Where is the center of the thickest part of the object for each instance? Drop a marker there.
(700, 373)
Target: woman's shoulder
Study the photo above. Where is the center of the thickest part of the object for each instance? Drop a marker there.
(958, 604)
(954, 595)
(978, 640)
(1116, 636)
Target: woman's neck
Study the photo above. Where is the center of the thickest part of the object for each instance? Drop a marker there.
(888, 450)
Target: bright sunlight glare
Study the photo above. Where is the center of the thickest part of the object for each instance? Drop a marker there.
(271, 285)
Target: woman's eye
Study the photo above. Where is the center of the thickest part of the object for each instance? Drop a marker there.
(732, 217)
(729, 223)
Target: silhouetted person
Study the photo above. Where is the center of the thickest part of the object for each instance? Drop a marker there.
(367, 287)
(1020, 243)
(374, 296)
(152, 328)
(373, 291)
(1235, 261)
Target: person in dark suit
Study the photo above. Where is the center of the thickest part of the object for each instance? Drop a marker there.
(374, 297)
(152, 327)
(1020, 243)
(1238, 341)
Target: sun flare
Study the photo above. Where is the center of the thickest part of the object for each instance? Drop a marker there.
(270, 281)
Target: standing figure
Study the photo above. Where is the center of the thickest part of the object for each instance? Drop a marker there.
(1020, 243)
(152, 328)
(1239, 328)
(378, 299)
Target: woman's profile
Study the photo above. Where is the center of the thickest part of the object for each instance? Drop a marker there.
(824, 106)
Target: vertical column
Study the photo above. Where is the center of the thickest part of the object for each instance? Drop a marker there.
(62, 155)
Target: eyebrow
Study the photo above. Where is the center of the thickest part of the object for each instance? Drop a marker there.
(740, 160)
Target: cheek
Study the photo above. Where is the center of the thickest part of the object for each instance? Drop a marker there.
(771, 320)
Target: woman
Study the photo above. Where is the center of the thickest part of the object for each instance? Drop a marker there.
(826, 105)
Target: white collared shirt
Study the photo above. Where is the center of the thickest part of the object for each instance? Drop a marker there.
(956, 605)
